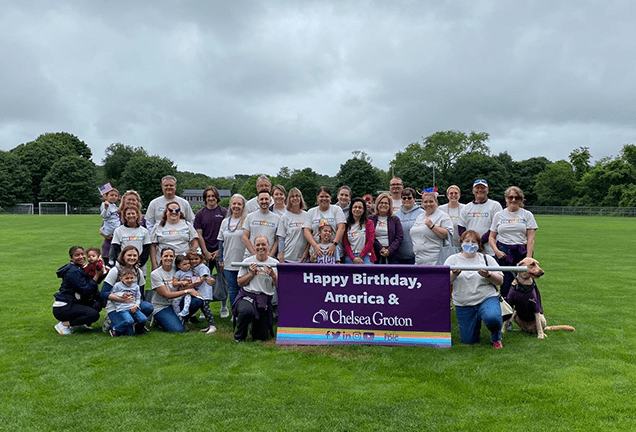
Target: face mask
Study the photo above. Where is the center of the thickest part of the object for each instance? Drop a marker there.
(470, 248)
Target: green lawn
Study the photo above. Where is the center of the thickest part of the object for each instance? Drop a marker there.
(584, 380)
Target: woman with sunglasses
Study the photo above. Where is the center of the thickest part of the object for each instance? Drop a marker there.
(512, 234)
(173, 231)
(407, 214)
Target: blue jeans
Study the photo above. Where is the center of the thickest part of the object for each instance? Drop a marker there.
(232, 284)
(123, 322)
(171, 322)
(365, 260)
(469, 319)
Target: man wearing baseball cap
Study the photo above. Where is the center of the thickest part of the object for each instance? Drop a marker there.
(477, 215)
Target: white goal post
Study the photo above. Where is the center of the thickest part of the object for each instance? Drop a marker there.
(24, 208)
(57, 208)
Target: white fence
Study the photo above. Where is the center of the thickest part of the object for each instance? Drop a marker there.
(584, 211)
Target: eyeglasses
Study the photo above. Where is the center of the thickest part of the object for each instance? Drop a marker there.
(407, 198)
(174, 210)
(514, 198)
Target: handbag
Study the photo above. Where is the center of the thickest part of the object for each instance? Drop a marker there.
(506, 309)
(446, 250)
(220, 291)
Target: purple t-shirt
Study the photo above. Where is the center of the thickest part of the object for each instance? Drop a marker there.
(209, 221)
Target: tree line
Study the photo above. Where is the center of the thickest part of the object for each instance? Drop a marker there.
(59, 167)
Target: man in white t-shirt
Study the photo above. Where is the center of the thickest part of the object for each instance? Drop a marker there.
(395, 186)
(158, 205)
(478, 214)
(261, 222)
(262, 184)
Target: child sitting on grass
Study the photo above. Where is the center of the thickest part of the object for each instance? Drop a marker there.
(325, 233)
(127, 287)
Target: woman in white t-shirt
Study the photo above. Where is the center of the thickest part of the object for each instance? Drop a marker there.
(430, 230)
(475, 293)
(512, 234)
(453, 209)
(231, 246)
(359, 235)
(161, 279)
(324, 213)
(173, 231)
(132, 233)
(292, 245)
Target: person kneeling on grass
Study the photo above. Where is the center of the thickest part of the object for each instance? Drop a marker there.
(254, 302)
(77, 302)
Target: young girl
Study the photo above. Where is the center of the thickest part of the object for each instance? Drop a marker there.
(109, 213)
(325, 234)
(182, 280)
(201, 274)
(94, 263)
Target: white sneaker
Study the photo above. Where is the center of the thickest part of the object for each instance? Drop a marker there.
(106, 324)
(225, 312)
(211, 330)
(62, 329)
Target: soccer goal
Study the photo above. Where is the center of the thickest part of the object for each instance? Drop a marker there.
(21, 208)
(53, 208)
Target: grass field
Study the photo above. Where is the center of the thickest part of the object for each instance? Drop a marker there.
(584, 380)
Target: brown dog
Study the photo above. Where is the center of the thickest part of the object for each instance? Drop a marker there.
(525, 297)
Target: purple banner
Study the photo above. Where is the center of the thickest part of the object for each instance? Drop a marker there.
(363, 304)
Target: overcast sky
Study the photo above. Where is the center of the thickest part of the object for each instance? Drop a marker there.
(225, 87)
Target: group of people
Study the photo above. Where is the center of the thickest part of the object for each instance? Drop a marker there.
(276, 226)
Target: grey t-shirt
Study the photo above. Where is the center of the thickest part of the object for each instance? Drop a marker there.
(259, 223)
(291, 229)
(262, 282)
(157, 206)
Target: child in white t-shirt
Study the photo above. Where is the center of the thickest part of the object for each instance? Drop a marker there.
(325, 234)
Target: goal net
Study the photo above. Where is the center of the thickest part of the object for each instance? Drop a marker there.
(20, 208)
(47, 208)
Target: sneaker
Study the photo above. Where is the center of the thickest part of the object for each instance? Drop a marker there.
(225, 312)
(183, 313)
(106, 324)
(238, 340)
(210, 330)
(112, 333)
(497, 345)
(62, 329)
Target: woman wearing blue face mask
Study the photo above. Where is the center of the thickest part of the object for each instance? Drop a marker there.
(475, 294)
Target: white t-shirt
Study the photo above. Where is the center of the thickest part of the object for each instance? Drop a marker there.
(511, 227)
(382, 230)
(178, 236)
(478, 217)
(232, 237)
(157, 206)
(426, 245)
(332, 216)
(454, 215)
(291, 229)
(158, 278)
(357, 237)
(259, 223)
(262, 282)
(469, 288)
(137, 237)
(397, 204)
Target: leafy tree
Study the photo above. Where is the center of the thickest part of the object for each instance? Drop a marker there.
(71, 179)
(117, 157)
(409, 166)
(602, 185)
(15, 181)
(628, 154)
(76, 145)
(580, 160)
(190, 180)
(307, 180)
(360, 176)
(524, 175)
(358, 154)
(556, 184)
(144, 174)
(475, 166)
(39, 156)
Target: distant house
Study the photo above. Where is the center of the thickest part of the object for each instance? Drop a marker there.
(195, 196)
